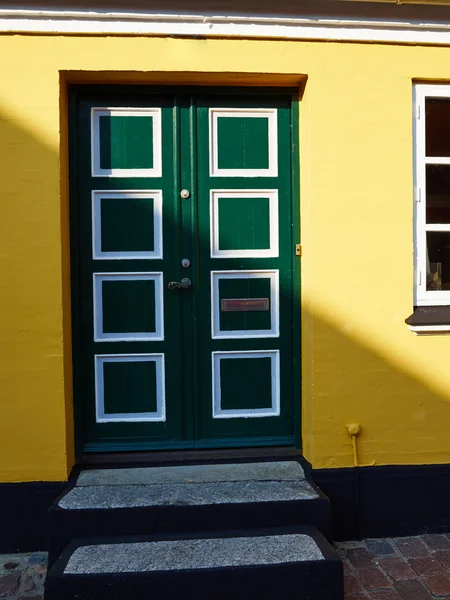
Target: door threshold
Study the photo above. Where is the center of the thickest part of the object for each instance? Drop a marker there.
(180, 457)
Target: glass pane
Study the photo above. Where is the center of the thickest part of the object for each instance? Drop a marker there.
(437, 126)
(438, 260)
(438, 194)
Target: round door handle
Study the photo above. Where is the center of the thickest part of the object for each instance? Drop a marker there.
(184, 284)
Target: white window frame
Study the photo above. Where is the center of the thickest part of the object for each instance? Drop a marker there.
(422, 297)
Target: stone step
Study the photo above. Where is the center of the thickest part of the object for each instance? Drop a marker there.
(275, 564)
(186, 499)
(263, 471)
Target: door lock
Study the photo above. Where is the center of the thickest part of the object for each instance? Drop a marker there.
(184, 284)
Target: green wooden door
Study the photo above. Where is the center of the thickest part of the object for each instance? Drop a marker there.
(165, 187)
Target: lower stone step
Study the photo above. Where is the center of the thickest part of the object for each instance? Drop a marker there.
(275, 564)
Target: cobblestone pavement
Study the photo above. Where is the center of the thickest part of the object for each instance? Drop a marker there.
(22, 576)
(409, 568)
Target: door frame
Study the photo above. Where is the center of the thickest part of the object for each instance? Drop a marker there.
(73, 90)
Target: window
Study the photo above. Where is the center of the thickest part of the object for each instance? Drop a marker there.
(432, 196)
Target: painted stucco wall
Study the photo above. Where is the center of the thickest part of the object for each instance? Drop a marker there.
(360, 361)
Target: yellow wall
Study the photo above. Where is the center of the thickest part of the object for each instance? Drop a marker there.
(361, 363)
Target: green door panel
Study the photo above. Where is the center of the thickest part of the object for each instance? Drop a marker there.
(244, 223)
(124, 142)
(251, 368)
(243, 143)
(206, 366)
(127, 224)
(130, 388)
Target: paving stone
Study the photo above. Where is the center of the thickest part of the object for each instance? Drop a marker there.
(385, 595)
(9, 584)
(360, 557)
(27, 584)
(426, 566)
(356, 597)
(348, 569)
(436, 541)
(37, 571)
(352, 544)
(397, 568)
(38, 559)
(352, 585)
(438, 584)
(373, 578)
(412, 590)
(412, 547)
(443, 556)
(380, 548)
(30, 597)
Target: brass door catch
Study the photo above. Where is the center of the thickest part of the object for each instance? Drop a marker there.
(298, 249)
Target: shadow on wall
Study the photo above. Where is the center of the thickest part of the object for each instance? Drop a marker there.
(32, 395)
(399, 415)
(31, 345)
(403, 419)
(350, 382)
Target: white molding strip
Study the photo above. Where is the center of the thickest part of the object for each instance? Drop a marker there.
(146, 417)
(273, 411)
(217, 333)
(430, 329)
(270, 114)
(128, 23)
(263, 194)
(155, 336)
(136, 112)
(98, 196)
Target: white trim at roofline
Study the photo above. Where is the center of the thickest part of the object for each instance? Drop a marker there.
(121, 23)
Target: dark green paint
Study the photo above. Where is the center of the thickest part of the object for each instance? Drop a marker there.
(244, 223)
(118, 436)
(129, 387)
(245, 383)
(126, 142)
(243, 143)
(247, 428)
(244, 288)
(127, 224)
(187, 345)
(128, 306)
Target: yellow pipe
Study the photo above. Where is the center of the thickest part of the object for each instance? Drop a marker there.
(354, 429)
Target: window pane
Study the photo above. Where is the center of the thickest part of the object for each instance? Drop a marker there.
(438, 194)
(437, 126)
(438, 260)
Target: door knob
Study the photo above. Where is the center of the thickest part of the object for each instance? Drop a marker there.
(184, 284)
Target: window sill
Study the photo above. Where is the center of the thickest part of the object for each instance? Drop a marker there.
(430, 320)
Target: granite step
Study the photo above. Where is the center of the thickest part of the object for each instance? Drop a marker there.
(275, 564)
(116, 502)
(209, 473)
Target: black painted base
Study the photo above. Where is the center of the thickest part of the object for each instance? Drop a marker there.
(387, 501)
(23, 510)
(308, 580)
(366, 502)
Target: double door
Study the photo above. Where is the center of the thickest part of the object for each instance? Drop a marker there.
(182, 257)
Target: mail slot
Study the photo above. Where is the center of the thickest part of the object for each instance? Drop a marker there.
(245, 305)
